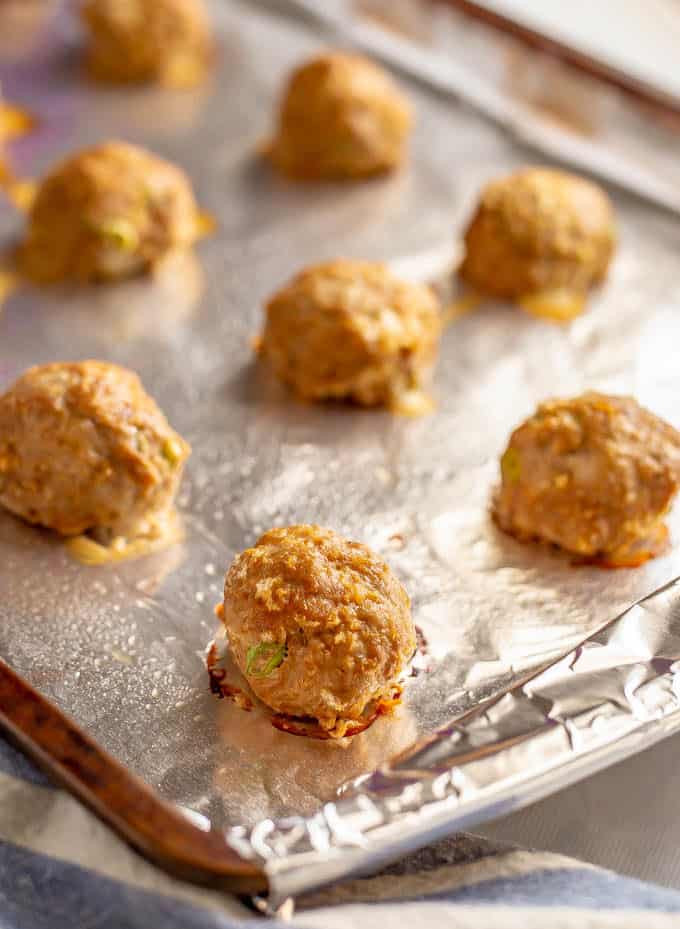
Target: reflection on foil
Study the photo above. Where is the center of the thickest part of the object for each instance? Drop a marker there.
(555, 92)
(606, 694)
(168, 110)
(299, 772)
(146, 306)
(122, 647)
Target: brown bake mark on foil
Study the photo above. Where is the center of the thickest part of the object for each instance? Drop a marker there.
(221, 687)
(420, 662)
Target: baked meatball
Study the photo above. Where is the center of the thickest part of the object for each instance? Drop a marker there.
(594, 474)
(106, 212)
(539, 230)
(83, 447)
(136, 41)
(341, 117)
(319, 626)
(352, 330)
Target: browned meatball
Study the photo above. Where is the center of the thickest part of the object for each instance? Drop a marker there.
(106, 212)
(352, 330)
(83, 447)
(539, 230)
(594, 474)
(319, 625)
(341, 117)
(133, 41)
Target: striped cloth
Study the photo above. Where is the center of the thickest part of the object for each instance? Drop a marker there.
(60, 868)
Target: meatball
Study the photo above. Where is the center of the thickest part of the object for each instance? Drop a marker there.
(594, 474)
(106, 212)
(163, 41)
(539, 230)
(319, 626)
(83, 447)
(341, 117)
(350, 329)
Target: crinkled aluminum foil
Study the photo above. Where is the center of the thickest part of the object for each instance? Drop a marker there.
(122, 647)
(615, 694)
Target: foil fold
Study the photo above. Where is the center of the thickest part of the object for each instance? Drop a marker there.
(620, 687)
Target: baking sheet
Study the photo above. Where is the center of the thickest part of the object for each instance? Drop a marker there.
(121, 647)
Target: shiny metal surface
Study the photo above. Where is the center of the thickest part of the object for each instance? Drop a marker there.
(613, 695)
(122, 647)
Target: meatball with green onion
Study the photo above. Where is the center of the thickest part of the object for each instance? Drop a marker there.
(319, 626)
(83, 448)
(594, 474)
(110, 211)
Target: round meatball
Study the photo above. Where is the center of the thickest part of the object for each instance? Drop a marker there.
(351, 330)
(319, 626)
(539, 230)
(106, 212)
(341, 117)
(83, 447)
(135, 41)
(594, 474)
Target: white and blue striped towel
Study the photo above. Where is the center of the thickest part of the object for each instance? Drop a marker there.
(60, 868)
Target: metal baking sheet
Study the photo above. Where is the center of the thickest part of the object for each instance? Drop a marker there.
(122, 647)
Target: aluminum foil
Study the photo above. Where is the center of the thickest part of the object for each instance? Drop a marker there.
(122, 647)
(616, 693)
(535, 97)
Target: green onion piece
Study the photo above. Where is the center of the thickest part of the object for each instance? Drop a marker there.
(510, 465)
(264, 658)
(121, 232)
